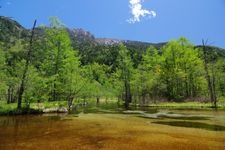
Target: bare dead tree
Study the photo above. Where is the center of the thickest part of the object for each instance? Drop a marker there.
(24, 75)
(210, 80)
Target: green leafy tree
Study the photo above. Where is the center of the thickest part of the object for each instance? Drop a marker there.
(61, 65)
(220, 77)
(3, 84)
(14, 57)
(209, 64)
(148, 82)
(125, 67)
(35, 89)
(73, 81)
(101, 86)
(57, 47)
(182, 70)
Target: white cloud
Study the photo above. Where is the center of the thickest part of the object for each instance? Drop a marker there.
(137, 11)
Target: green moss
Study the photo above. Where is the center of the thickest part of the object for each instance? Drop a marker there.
(188, 105)
(188, 124)
(110, 106)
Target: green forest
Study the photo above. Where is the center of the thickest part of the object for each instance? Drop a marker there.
(112, 75)
(45, 65)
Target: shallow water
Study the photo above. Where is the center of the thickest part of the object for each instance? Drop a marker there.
(136, 129)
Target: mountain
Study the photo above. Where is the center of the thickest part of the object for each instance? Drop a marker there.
(90, 48)
(10, 29)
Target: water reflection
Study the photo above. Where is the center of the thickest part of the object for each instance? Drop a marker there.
(102, 127)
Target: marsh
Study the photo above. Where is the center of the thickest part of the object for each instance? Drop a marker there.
(124, 130)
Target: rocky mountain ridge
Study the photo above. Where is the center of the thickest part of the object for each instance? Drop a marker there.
(8, 26)
(91, 49)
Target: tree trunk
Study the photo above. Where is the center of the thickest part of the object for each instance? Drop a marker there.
(70, 103)
(54, 92)
(118, 100)
(214, 88)
(24, 76)
(9, 95)
(127, 94)
(143, 99)
(97, 100)
(211, 84)
(54, 96)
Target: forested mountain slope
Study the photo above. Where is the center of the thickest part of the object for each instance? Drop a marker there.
(91, 49)
(69, 63)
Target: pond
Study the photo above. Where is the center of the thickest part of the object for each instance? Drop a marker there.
(108, 129)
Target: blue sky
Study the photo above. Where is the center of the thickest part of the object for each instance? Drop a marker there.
(142, 20)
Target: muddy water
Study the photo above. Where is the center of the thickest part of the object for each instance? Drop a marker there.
(164, 129)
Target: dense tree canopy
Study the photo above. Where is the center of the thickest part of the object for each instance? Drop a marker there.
(174, 72)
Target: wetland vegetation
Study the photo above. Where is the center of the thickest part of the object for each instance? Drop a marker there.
(110, 130)
(60, 92)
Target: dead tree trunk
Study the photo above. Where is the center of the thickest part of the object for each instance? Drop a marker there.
(214, 87)
(97, 100)
(55, 93)
(9, 95)
(210, 81)
(127, 94)
(24, 76)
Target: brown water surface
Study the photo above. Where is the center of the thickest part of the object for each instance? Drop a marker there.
(110, 131)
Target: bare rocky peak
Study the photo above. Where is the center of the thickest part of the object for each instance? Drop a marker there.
(108, 41)
(7, 22)
(10, 28)
(81, 34)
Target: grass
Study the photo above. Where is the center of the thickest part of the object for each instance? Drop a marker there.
(11, 109)
(188, 105)
(44, 105)
(6, 109)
